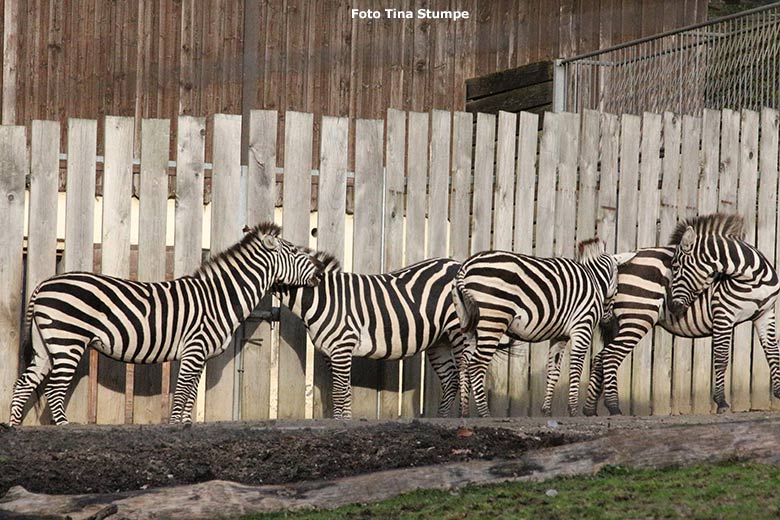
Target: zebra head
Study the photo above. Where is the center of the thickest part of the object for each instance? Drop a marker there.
(695, 259)
(691, 271)
(292, 265)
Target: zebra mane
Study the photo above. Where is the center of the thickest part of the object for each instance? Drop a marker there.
(250, 234)
(329, 262)
(589, 250)
(713, 224)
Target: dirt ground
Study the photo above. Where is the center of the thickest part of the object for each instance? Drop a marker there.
(105, 459)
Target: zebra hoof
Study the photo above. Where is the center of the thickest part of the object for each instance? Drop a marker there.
(547, 412)
(589, 411)
(723, 408)
(615, 411)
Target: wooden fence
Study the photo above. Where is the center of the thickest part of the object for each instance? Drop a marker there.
(425, 185)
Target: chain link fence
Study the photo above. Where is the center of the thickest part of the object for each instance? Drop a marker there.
(729, 62)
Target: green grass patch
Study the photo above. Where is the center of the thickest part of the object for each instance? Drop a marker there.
(725, 490)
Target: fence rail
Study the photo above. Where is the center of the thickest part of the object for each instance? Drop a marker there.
(731, 61)
(425, 184)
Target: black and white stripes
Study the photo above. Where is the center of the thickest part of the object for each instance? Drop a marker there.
(189, 319)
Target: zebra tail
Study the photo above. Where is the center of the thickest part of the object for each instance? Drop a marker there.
(609, 330)
(26, 333)
(465, 307)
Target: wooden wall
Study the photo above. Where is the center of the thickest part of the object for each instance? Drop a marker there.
(143, 58)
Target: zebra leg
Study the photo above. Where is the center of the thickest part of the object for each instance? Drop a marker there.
(595, 385)
(63, 368)
(765, 329)
(580, 341)
(487, 344)
(443, 364)
(722, 333)
(341, 373)
(190, 370)
(26, 385)
(461, 349)
(612, 358)
(554, 359)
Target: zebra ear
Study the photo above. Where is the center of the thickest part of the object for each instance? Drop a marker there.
(688, 239)
(270, 241)
(622, 258)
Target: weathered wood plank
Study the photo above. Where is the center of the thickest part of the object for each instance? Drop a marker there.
(515, 100)
(188, 220)
(747, 198)
(42, 230)
(367, 258)
(663, 346)
(649, 207)
(503, 218)
(260, 202)
(296, 219)
(331, 228)
(13, 169)
(687, 202)
(153, 209)
(707, 203)
(416, 188)
(628, 199)
(728, 180)
(115, 259)
(545, 214)
(525, 190)
(565, 223)
(511, 79)
(395, 153)
(461, 184)
(766, 235)
(225, 231)
(438, 225)
(79, 233)
(484, 157)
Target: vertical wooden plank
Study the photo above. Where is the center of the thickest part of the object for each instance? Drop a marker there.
(565, 223)
(628, 209)
(766, 237)
(438, 224)
(607, 207)
(42, 227)
(261, 198)
(155, 139)
(331, 225)
(684, 348)
(225, 231)
(728, 180)
(707, 203)
(649, 206)
(549, 149)
(188, 220)
(369, 180)
(79, 232)
(395, 153)
(10, 60)
(461, 184)
(747, 196)
(13, 169)
(416, 188)
(296, 192)
(484, 157)
(664, 342)
(503, 206)
(115, 259)
(525, 190)
(587, 202)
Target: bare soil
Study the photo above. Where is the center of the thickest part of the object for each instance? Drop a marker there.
(99, 459)
(80, 459)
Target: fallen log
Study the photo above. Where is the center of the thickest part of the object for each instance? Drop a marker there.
(665, 446)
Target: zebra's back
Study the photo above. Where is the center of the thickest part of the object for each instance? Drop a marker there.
(384, 316)
(138, 322)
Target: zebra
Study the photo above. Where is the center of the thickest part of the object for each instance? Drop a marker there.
(191, 318)
(713, 247)
(383, 316)
(533, 299)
